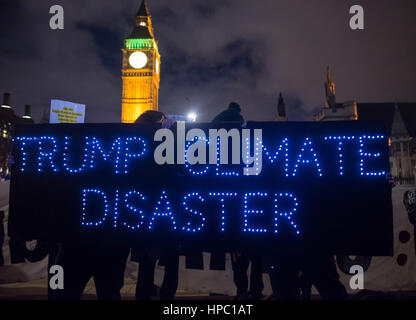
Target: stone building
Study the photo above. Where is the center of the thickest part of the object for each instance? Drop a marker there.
(7, 122)
(334, 111)
(281, 110)
(403, 149)
(399, 119)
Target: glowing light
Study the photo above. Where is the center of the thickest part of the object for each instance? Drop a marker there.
(48, 154)
(302, 160)
(133, 44)
(115, 148)
(66, 157)
(340, 140)
(191, 116)
(222, 200)
(285, 214)
(284, 147)
(369, 155)
(132, 208)
(217, 167)
(84, 207)
(187, 165)
(166, 211)
(129, 155)
(188, 227)
(248, 211)
(138, 60)
(24, 140)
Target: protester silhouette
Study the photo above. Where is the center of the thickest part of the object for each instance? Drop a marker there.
(147, 258)
(84, 258)
(240, 261)
(232, 114)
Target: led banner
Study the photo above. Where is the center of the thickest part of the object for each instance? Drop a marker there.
(267, 187)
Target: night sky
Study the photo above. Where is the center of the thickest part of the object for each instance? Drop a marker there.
(213, 52)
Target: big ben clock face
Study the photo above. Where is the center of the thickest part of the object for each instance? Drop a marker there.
(138, 60)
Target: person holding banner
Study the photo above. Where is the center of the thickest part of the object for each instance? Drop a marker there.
(145, 287)
(317, 268)
(84, 258)
(240, 261)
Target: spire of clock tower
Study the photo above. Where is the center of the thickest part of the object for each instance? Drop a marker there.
(143, 11)
(143, 24)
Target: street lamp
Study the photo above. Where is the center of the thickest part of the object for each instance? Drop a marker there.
(192, 117)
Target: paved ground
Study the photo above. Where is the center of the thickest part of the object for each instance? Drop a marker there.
(37, 290)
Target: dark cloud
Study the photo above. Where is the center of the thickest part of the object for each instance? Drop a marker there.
(105, 39)
(236, 62)
(212, 52)
(207, 9)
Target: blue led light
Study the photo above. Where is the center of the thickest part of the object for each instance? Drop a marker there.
(247, 212)
(187, 165)
(116, 204)
(93, 149)
(285, 214)
(369, 155)
(24, 141)
(46, 156)
(340, 141)
(128, 155)
(284, 146)
(222, 196)
(66, 156)
(217, 167)
(97, 149)
(301, 160)
(206, 168)
(188, 227)
(165, 212)
(84, 207)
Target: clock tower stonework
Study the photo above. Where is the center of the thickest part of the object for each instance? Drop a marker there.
(140, 69)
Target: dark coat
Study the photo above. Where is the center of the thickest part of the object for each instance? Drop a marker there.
(229, 115)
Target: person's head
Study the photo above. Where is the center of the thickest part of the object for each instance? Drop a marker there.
(234, 106)
(151, 116)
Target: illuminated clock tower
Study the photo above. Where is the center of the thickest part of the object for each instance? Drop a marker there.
(141, 69)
